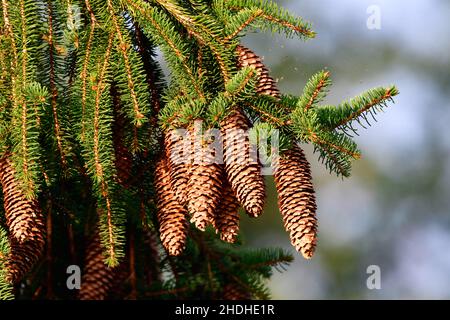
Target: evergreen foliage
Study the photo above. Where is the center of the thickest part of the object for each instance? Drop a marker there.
(79, 80)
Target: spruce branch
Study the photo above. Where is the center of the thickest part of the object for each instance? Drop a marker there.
(275, 18)
(315, 90)
(368, 103)
(157, 25)
(131, 68)
(206, 31)
(240, 21)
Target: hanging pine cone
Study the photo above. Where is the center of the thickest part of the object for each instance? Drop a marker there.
(226, 219)
(177, 150)
(98, 278)
(23, 256)
(233, 291)
(242, 168)
(296, 199)
(266, 84)
(23, 216)
(172, 216)
(205, 184)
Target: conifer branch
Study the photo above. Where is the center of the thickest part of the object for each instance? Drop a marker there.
(205, 37)
(53, 88)
(84, 71)
(124, 47)
(314, 90)
(171, 41)
(249, 15)
(277, 19)
(360, 105)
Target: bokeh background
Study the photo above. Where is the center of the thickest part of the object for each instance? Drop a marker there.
(394, 212)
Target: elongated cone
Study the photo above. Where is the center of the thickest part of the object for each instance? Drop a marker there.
(23, 257)
(226, 219)
(205, 182)
(25, 223)
(296, 200)
(23, 216)
(241, 164)
(98, 278)
(266, 84)
(178, 154)
(172, 216)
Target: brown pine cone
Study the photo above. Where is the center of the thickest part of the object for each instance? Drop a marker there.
(98, 278)
(205, 182)
(296, 199)
(23, 256)
(177, 150)
(266, 84)
(242, 168)
(226, 219)
(23, 216)
(172, 216)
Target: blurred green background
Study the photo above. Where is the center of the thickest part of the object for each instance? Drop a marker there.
(394, 210)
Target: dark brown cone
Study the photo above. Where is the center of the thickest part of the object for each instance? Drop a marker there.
(123, 157)
(179, 162)
(23, 216)
(296, 200)
(205, 182)
(98, 278)
(23, 256)
(242, 168)
(233, 291)
(266, 84)
(172, 216)
(226, 219)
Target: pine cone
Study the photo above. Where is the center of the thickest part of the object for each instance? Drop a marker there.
(172, 216)
(233, 291)
(23, 216)
(226, 220)
(242, 168)
(266, 84)
(296, 200)
(178, 155)
(23, 256)
(205, 184)
(98, 278)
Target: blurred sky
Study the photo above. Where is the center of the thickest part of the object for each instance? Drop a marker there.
(394, 211)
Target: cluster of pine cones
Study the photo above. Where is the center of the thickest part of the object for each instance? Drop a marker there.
(202, 192)
(192, 187)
